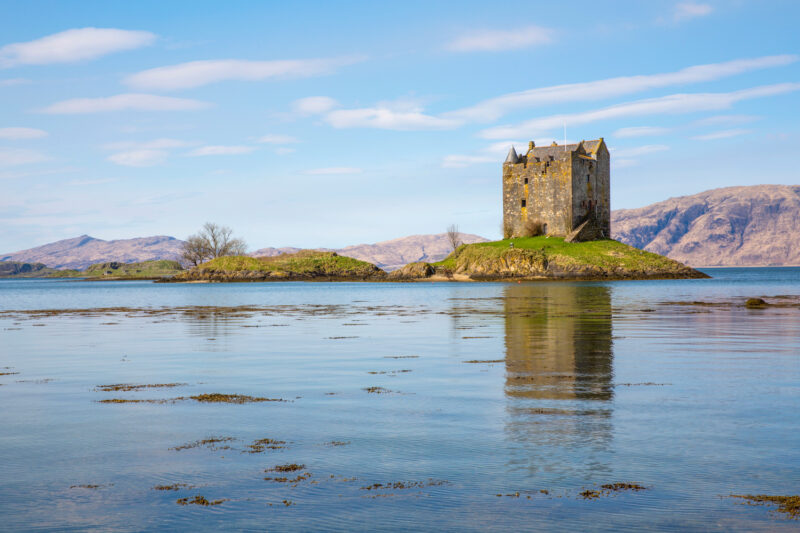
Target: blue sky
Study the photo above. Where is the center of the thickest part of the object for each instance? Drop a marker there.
(336, 123)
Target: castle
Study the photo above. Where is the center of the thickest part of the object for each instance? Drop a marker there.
(562, 188)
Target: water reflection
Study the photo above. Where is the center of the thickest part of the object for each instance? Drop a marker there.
(559, 377)
(558, 342)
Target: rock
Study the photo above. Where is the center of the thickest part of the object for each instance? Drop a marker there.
(417, 270)
(755, 303)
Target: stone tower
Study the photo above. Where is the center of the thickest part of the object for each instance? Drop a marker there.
(560, 186)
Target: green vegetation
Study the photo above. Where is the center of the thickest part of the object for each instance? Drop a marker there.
(604, 253)
(18, 269)
(306, 264)
(110, 270)
(552, 258)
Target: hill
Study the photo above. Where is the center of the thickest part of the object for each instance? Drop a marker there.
(81, 252)
(732, 226)
(392, 254)
(305, 265)
(547, 258)
(18, 269)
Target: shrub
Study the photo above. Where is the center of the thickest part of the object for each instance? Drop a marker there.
(532, 228)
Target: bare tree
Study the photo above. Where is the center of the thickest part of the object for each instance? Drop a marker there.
(453, 236)
(212, 241)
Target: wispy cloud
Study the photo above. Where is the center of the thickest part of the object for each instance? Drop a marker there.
(463, 161)
(85, 183)
(139, 158)
(497, 40)
(724, 134)
(314, 105)
(725, 120)
(10, 157)
(73, 45)
(21, 133)
(690, 10)
(124, 102)
(639, 150)
(334, 170)
(10, 82)
(639, 131)
(144, 153)
(220, 150)
(672, 104)
(155, 144)
(494, 108)
(277, 139)
(199, 73)
(401, 115)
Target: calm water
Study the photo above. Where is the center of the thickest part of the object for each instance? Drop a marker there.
(579, 384)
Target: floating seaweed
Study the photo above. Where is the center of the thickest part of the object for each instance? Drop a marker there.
(788, 505)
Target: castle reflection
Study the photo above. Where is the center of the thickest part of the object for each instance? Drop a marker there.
(559, 378)
(558, 341)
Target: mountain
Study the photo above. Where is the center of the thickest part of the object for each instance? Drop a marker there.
(393, 254)
(80, 252)
(733, 226)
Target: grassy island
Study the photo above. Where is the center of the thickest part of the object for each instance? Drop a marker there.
(548, 258)
(306, 265)
(155, 269)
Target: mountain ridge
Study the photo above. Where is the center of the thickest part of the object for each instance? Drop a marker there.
(753, 225)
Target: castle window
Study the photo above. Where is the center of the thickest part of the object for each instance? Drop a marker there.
(526, 181)
(587, 178)
(523, 202)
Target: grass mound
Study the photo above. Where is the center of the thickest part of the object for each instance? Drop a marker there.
(306, 264)
(552, 257)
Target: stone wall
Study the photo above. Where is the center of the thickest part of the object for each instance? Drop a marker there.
(560, 187)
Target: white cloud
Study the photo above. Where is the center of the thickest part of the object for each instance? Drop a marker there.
(494, 108)
(623, 163)
(496, 40)
(198, 73)
(314, 105)
(10, 157)
(220, 150)
(463, 161)
(124, 102)
(21, 133)
(690, 10)
(672, 104)
(277, 139)
(334, 170)
(725, 120)
(83, 183)
(639, 131)
(386, 118)
(724, 134)
(9, 82)
(73, 45)
(139, 158)
(639, 150)
(155, 144)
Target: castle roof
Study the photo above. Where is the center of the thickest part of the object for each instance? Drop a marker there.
(558, 151)
(512, 156)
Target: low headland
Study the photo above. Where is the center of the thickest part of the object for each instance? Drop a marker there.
(108, 271)
(525, 258)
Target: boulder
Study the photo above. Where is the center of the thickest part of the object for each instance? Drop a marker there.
(418, 270)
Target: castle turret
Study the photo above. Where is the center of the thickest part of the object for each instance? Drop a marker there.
(512, 157)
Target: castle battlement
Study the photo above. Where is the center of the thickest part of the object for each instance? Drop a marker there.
(560, 186)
